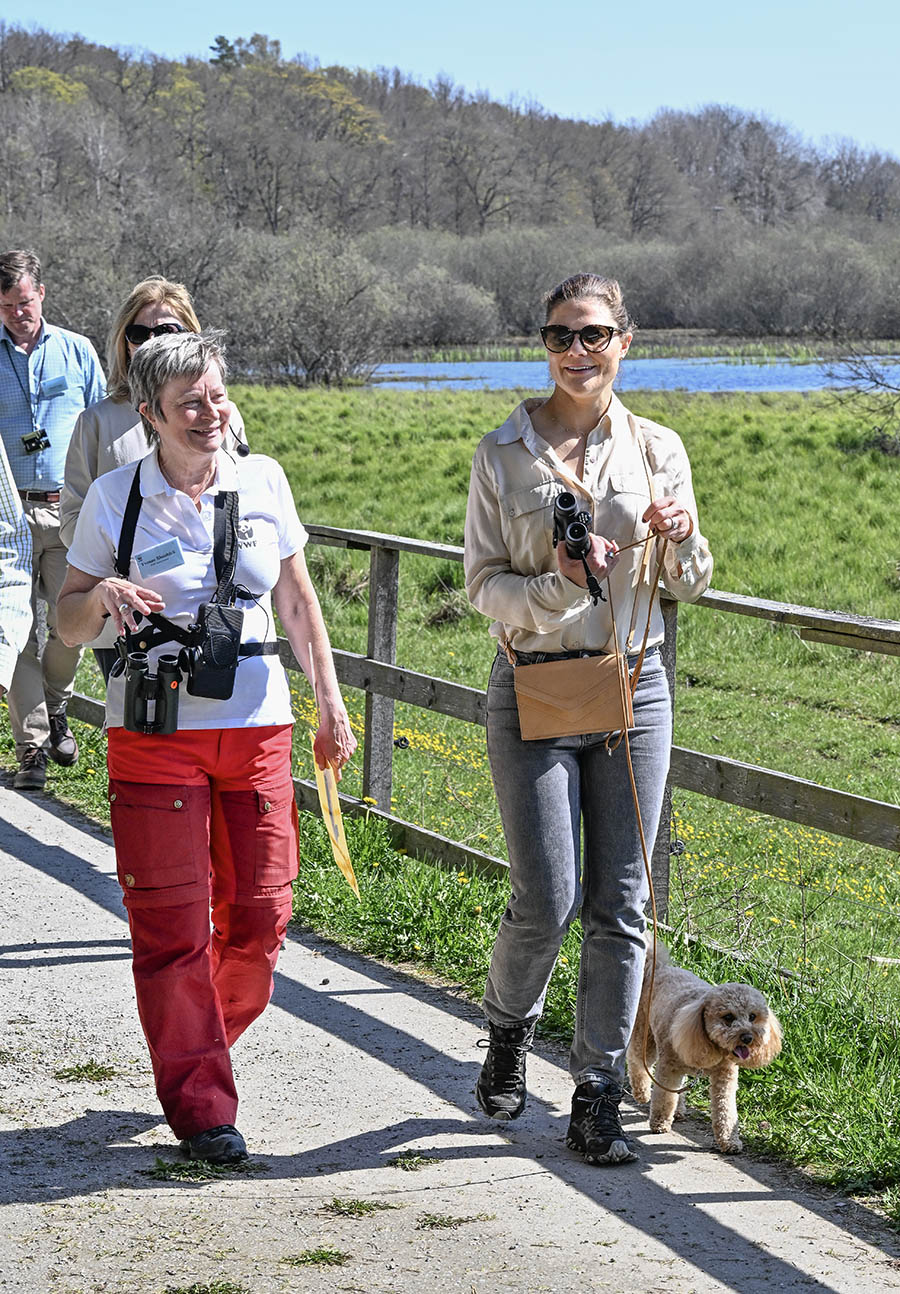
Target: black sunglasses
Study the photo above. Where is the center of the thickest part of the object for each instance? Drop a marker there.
(137, 334)
(594, 337)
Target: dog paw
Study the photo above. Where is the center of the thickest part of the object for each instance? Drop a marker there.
(660, 1125)
(731, 1145)
(640, 1094)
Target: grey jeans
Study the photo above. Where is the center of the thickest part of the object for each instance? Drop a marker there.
(547, 791)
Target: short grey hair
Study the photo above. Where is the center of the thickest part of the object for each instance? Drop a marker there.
(162, 359)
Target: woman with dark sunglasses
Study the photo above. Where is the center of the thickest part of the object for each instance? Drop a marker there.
(566, 802)
(110, 432)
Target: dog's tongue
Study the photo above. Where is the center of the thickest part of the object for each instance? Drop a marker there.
(742, 1052)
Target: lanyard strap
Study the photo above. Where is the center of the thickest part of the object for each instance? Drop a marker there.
(33, 401)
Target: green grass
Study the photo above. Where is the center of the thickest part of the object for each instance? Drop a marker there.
(347, 1208)
(446, 1222)
(321, 1257)
(91, 1071)
(410, 1161)
(208, 1287)
(200, 1170)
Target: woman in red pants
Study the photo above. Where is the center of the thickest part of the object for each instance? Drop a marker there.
(185, 552)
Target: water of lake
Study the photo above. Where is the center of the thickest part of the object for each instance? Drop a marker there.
(648, 374)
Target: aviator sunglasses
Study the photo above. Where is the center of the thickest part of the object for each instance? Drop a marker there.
(594, 337)
(137, 334)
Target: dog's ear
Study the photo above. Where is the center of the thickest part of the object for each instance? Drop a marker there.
(689, 1037)
(772, 1044)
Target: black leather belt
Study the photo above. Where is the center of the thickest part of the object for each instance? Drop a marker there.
(39, 496)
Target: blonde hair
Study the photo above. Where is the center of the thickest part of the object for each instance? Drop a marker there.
(582, 286)
(154, 291)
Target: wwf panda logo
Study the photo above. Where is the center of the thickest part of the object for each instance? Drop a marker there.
(245, 534)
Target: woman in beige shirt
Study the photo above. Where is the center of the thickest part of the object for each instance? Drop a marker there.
(110, 432)
(634, 478)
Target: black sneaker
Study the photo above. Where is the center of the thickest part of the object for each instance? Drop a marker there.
(501, 1084)
(63, 747)
(32, 772)
(222, 1145)
(595, 1129)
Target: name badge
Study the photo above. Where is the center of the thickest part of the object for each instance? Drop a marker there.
(161, 557)
(54, 386)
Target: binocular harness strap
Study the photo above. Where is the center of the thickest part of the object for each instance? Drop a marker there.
(224, 556)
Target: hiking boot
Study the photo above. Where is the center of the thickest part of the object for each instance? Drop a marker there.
(32, 772)
(63, 747)
(595, 1129)
(222, 1145)
(501, 1084)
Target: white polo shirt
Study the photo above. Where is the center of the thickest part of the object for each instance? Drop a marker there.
(268, 530)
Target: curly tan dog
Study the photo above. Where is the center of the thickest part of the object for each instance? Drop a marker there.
(698, 1028)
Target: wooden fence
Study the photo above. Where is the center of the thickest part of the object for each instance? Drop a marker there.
(384, 683)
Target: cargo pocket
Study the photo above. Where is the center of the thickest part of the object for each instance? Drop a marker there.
(262, 828)
(161, 834)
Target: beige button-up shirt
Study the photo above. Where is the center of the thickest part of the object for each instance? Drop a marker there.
(510, 563)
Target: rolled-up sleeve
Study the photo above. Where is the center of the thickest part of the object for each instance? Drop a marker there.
(688, 566)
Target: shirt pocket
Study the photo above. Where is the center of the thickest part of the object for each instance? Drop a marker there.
(526, 518)
(627, 500)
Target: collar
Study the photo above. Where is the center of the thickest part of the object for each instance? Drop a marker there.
(6, 335)
(153, 481)
(518, 425)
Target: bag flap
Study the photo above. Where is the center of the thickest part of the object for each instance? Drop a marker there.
(570, 682)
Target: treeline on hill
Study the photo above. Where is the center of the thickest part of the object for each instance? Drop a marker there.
(325, 216)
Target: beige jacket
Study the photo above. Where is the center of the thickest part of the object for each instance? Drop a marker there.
(106, 435)
(510, 563)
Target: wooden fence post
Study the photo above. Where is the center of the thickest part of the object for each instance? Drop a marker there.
(378, 752)
(660, 859)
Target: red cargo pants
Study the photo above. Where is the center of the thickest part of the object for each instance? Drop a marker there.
(199, 818)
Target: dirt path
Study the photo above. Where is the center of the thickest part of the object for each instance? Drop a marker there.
(352, 1066)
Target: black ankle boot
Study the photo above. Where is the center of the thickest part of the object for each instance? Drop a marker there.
(595, 1128)
(501, 1084)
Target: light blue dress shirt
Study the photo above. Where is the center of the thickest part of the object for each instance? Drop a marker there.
(15, 574)
(45, 391)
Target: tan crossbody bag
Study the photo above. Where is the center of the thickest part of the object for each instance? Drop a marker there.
(566, 698)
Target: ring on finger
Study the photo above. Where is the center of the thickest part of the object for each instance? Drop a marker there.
(123, 607)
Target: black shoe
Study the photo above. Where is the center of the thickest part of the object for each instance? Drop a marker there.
(32, 772)
(595, 1128)
(63, 747)
(501, 1084)
(222, 1145)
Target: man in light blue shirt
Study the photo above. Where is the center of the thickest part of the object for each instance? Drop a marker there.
(48, 375)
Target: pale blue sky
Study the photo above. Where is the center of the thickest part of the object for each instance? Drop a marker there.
(826, 69)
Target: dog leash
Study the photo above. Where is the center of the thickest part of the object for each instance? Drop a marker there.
(634, 795)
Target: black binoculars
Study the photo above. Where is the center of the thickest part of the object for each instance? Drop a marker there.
(572, 525)
(143, 689)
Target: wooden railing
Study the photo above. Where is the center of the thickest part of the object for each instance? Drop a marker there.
(384, 683)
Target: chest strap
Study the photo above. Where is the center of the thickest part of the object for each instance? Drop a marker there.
(224, 556)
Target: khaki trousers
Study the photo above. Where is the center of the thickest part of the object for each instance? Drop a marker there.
(42, 685)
